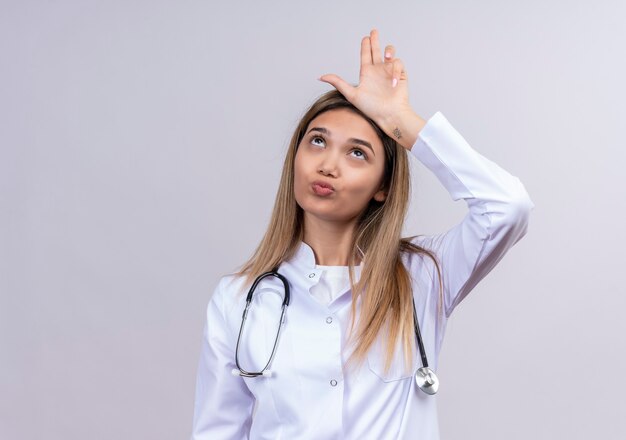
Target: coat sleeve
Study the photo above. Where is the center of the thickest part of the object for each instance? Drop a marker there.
(223, 404)
(499, 209)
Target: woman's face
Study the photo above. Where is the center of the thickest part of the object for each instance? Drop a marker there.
(339, 166)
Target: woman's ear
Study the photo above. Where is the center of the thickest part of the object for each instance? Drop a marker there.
(380, 196)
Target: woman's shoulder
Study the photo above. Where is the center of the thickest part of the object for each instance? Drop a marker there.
(228, 290)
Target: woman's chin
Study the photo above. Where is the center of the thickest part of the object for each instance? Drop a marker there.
(327, 215)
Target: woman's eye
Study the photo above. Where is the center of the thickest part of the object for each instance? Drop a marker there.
(361, 154)
(314, 140)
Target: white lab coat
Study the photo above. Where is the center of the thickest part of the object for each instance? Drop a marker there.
(311, 395)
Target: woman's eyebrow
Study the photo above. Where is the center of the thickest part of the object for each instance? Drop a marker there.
(353, 140)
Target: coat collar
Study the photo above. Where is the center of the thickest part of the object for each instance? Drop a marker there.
(304, 256)
(303, 263)
(301, 266)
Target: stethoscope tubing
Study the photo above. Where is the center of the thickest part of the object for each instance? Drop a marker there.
(286, 300)
(418, 337)
(425, 377)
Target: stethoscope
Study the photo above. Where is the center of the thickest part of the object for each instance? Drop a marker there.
(425, 377)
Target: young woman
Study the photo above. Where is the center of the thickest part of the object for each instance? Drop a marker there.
(367, 309)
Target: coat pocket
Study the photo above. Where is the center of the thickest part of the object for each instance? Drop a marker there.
(398, 370)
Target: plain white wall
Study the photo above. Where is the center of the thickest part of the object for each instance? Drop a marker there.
(141, 146)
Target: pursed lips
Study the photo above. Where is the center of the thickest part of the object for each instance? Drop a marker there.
(322, 188)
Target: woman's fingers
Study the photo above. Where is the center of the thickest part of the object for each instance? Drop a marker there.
(397, 72)
(342, 86)
(366, 51)
(376, 57)
(390, 52)
(370, 54)
(370, 50)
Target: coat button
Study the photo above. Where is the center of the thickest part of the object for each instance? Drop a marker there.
(311, 275)
(329, 320)
(333, 383)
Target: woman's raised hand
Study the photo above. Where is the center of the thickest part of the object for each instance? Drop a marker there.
(382, 93)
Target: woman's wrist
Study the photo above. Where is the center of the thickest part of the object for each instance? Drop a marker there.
(404, 127)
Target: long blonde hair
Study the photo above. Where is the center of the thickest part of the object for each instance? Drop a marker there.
(387, 298)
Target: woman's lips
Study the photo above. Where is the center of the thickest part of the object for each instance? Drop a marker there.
(322, 188)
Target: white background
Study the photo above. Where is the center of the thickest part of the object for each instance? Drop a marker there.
(141, 144)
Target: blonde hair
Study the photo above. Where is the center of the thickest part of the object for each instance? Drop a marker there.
(387, 298)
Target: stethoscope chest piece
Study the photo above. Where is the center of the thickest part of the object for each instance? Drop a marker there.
(426, 380)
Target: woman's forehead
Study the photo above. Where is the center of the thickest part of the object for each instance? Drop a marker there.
(345, 123)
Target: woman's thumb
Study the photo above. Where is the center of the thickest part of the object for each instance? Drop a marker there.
(344, 88)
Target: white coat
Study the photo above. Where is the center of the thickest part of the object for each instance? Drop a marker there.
(311, 395)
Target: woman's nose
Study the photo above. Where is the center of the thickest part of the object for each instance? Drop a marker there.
(328, 165)
(325, 171)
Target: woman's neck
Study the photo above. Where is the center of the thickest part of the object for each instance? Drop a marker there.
(331, 242)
